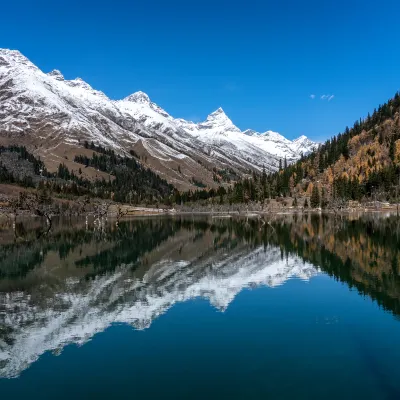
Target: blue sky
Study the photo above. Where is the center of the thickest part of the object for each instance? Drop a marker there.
(260, 60)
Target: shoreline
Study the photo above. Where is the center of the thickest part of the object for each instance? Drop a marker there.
(132, 211)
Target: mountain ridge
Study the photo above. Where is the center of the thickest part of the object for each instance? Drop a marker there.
(53, 116)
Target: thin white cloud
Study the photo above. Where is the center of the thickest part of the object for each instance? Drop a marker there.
(312, 96)
(328, 97)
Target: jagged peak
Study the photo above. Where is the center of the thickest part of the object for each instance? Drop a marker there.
(270, 133)
(273, 136)
(56, 74)
(10, 52)
(78, 82)
(12, 57)
(250, 132)
(218, 116)
(217, 113)
(301, 138)
(220, 121)
(304, 145)
(138, 97)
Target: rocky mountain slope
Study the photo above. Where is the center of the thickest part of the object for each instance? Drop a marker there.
(53, 117)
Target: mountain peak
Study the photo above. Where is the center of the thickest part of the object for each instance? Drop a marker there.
(79, 82)
(250, 132)
(301, 138)
(56, 74)
(218, 122)
(138, 97)
(15, 58)
(268, 135)
(218, 112)
(303, 145)
(218, 115)
(11, 53)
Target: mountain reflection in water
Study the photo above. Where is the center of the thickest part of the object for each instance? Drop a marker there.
(78, 280)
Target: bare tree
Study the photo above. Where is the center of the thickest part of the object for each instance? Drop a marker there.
(337, 204)
(13, 205)
(101, 212)
(83, 205)
(121, 212)
(39, 204)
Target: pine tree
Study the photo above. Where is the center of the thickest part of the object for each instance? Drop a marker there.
(392, 150)
(43, 197)
(315, 200)
(264, 177)
(324, 201)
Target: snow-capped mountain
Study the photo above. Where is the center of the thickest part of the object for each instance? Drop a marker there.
(78, 309)
(303, 145)
(282, 147)
(53, 117)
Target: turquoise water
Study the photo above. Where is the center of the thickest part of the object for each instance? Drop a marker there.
(180, 309)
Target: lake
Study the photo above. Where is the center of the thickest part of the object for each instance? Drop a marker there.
(300, 307)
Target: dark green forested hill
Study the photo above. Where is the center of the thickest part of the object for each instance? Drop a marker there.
(131, 181)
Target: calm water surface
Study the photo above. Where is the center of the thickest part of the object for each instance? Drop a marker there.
(305, 307)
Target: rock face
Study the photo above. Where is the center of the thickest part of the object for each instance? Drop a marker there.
(53, 117)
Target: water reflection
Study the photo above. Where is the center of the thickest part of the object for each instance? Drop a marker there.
(77, 281)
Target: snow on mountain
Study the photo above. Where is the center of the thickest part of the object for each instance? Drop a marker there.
(303, 145)
(56, 74)
(250, 132)
(47, 112)
(268, 135)
(52, 109)
(78, 309)
(217, 123)
(277, 144)
(223, 139)
(139, 106)
(138, 97)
